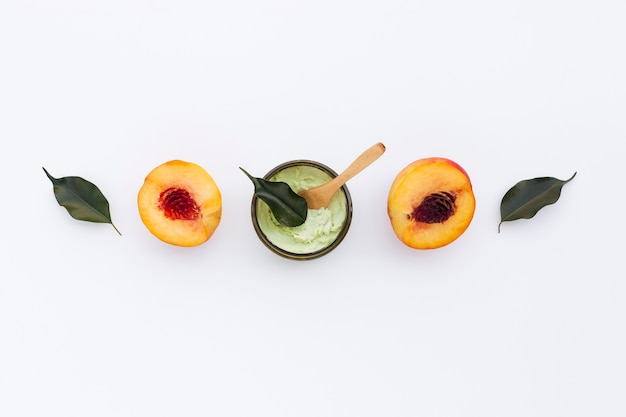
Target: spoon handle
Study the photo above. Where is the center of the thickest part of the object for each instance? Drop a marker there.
(320, 196)
(360, 163)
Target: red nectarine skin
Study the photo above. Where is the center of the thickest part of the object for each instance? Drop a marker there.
(430, 203)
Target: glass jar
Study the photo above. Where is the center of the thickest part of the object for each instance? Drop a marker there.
(323, 230)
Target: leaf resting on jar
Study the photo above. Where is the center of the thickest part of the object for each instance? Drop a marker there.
(289, 208)
(527, 197)
(82, 199)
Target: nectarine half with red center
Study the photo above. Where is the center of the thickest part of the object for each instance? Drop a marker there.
(180, 203)
(430, 203)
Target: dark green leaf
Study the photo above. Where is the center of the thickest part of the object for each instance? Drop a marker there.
(82, 199)
(527, 197)
(289, 208)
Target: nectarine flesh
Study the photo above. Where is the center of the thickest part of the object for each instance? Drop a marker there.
(430, 203)
(180, 203)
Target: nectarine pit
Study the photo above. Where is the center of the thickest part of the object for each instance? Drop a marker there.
(435, 208)
(177, 204)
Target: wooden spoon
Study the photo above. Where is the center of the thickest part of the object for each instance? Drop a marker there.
(320, 196)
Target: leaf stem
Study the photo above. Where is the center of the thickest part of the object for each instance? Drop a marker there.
(118, 232)
(50, 177)
(571, 178)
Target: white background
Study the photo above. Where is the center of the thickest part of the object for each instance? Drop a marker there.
(525, 322)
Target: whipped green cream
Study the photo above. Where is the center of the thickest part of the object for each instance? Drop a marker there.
(322, 226)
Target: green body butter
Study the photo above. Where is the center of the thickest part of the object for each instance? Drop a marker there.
(321, 227)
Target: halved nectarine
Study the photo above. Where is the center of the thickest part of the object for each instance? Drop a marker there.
(431, 203)
(180, 203)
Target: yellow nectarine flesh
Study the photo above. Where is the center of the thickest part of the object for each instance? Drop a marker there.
(180, 203)
(430, 203)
